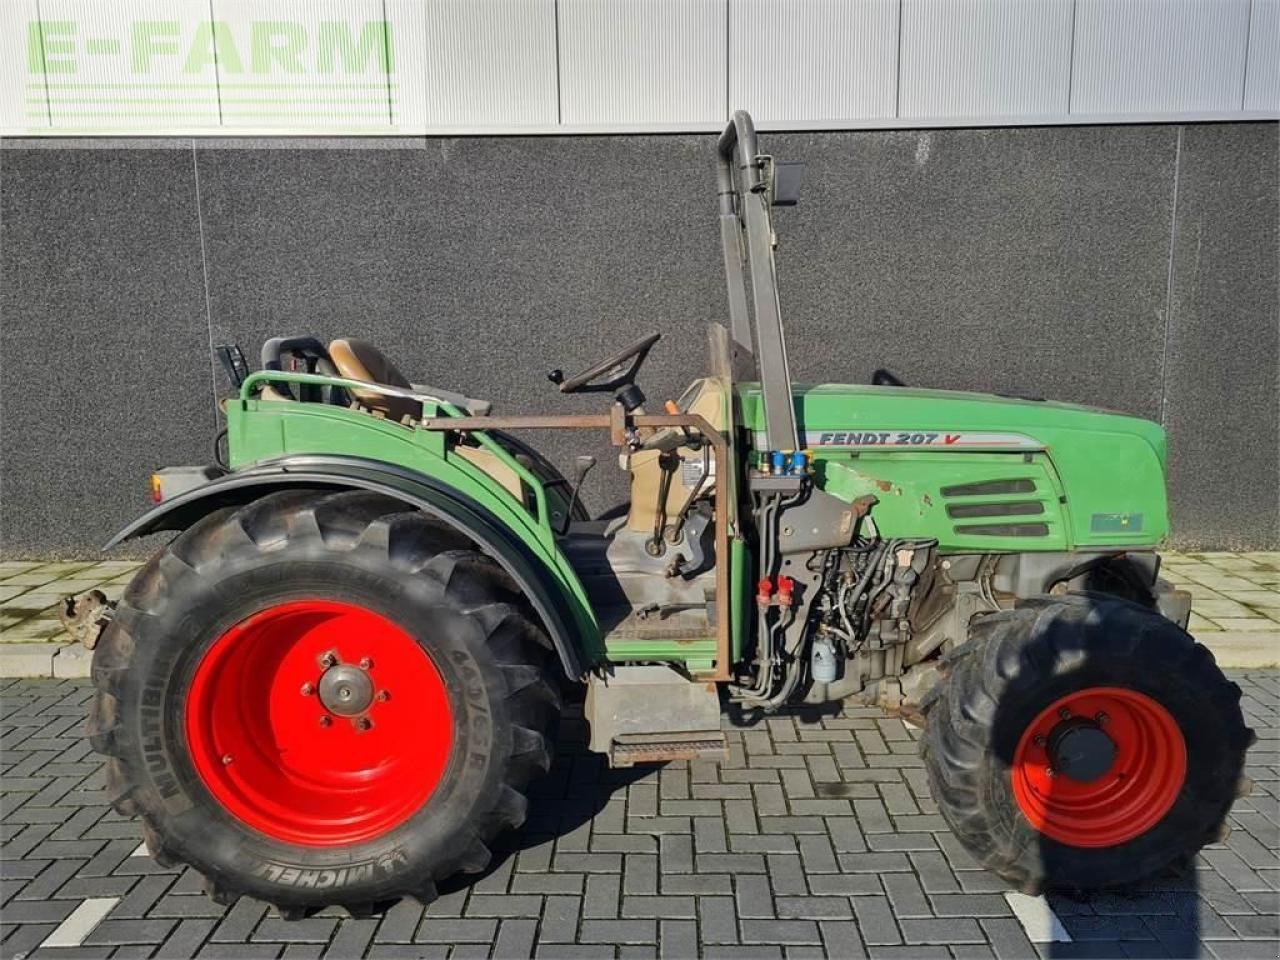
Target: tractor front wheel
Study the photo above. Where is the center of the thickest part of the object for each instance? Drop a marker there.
(319, 698)
(1083, 741)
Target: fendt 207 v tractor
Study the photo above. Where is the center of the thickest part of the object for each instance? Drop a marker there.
(334, 684)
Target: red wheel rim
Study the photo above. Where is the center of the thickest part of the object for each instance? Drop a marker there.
(1138, 786)
(277, 734)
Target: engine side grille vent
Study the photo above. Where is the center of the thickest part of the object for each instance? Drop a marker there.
(1009, 508)
(1003, 529)
(990, 488)
(995, 506)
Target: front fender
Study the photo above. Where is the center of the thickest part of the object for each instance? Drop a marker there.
(569, 622)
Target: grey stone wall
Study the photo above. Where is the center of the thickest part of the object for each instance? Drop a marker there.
(1129, 267)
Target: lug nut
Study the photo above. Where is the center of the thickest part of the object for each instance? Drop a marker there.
(363, 724)
(307, 690)
(325, 721)
(365, 663)
(1101, 719)
(1064, 713)
(383, 696)
(226, 759)
(1050, 772)
(328, 659)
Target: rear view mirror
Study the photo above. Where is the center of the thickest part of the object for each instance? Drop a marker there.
(787, 175)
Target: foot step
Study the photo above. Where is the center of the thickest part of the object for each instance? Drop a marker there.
(640, 714)
(634, 748)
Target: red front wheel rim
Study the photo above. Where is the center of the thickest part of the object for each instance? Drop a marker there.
(319, 723)
(1133, 783)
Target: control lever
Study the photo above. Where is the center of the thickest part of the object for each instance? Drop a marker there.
(673, 409)
(581, 467)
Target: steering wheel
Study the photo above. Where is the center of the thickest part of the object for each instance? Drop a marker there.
(621, 369)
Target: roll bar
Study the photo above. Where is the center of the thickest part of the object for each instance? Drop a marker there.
(740, 136)
(745, 183)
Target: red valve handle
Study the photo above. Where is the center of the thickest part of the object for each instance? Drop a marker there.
(764, 589)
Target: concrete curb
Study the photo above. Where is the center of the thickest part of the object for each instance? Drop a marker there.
(1243, 649)
(65, 661)
(28, 659)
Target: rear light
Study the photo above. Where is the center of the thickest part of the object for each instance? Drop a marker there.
(170, 482)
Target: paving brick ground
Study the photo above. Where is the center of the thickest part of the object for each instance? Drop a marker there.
(817, 838)
(1236, 608)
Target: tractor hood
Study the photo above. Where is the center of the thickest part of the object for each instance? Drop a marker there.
(1103, 473)
(854, 415)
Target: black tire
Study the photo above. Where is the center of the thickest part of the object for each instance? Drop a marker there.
(1019, 662)
(498, 669)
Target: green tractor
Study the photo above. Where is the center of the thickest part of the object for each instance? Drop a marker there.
(335, 683)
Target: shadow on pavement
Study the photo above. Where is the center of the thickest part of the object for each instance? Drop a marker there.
(578, 791)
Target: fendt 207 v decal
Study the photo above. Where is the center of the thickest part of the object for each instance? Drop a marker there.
(946, 439)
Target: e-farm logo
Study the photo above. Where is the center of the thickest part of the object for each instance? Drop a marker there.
(266, 72)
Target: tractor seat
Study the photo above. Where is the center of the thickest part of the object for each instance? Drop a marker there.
(359, 360)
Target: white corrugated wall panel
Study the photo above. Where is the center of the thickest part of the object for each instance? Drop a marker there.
(128, 65)
(459, 62)
(303, 64)
(642, 61)
(1262, 70)
(138, 67)
(22, 93)
(1158, 56)
(813, 59)
(967, 58)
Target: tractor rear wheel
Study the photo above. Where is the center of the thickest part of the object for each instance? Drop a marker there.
(1083, 741)
(319, 698)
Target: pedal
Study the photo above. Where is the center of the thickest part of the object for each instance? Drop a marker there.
(640, 714)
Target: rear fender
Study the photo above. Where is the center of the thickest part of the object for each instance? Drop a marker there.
(572, 627)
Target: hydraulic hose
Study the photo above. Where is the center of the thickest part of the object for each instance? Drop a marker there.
(764, 640)
(767, 632)
(764, 630)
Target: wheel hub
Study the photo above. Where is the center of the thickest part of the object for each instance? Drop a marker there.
(1086, 786)
(295, 725)
(346, 690)
(1079, 748)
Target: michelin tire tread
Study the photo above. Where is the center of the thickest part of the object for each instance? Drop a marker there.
(362, 548)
